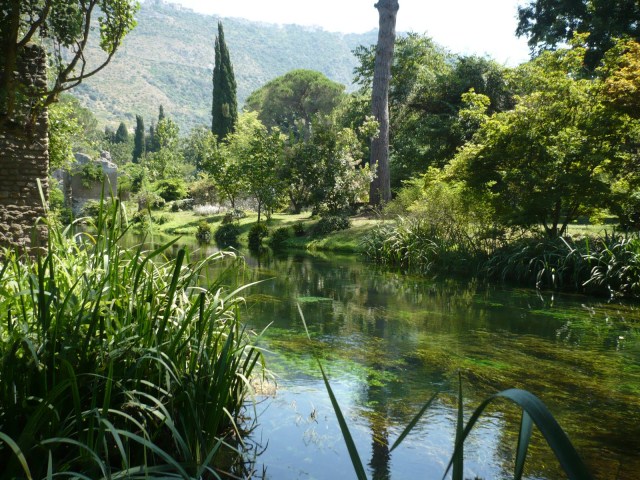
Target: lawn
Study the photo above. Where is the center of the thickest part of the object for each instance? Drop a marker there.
(347, 241)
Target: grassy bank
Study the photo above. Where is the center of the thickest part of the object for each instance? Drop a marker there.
(344, 241)
(591, 260)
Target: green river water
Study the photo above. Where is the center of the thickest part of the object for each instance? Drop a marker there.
(389, 341)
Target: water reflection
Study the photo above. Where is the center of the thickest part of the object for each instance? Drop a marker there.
(389, 342)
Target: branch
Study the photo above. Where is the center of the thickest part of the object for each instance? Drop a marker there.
(36, 25)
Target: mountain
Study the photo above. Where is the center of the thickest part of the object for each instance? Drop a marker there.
(168, 59)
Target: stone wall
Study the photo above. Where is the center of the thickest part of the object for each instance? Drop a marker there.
(78, 191)
(24, 158)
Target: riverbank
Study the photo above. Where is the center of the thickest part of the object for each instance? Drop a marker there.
(590, 259)
(342, 241)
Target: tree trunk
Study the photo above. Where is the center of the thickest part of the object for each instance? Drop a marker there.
(380, 189)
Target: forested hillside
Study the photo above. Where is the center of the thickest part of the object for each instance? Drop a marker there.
(168, 60)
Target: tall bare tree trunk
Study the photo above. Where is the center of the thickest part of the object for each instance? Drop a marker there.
(380, 190)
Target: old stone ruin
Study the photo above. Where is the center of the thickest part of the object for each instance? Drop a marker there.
(88, 179)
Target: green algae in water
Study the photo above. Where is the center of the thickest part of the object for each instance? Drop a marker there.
(397, 340)
(313, 299)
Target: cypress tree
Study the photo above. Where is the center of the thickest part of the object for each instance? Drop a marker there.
(224, 108)
(122, 134)
(139, 146)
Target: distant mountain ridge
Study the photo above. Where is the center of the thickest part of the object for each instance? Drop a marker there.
(168, 59)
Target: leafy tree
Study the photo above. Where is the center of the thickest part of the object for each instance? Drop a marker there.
(122, 134)
(256, 155)
(139, 145)
(425, 96)
(201, 150)
(549, 23)
(553, 157)
(290, 101)
(324, 171)
(167, 161)
(224, 108)
(380, 190)
(621, 72)
(72, 128)
(621, 78)
(63, 127)
(151, 142)
(67, 26)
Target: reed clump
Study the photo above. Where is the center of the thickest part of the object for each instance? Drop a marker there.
(120, 362)
(607, 266)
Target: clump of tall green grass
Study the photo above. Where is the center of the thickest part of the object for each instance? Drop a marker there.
(609, 265)
(118, 362)
(417, 245)
(604, 266)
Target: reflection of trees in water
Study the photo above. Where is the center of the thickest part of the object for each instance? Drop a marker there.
(421, 332)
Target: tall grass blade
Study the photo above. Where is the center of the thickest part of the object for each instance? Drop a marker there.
(526, 426)
(413, 422)
(458, 453)
(18, 453)
(555, 437)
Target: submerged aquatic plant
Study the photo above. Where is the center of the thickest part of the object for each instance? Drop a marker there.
(533, 412)
(117, 363)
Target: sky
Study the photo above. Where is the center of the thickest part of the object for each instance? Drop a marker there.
(482, 27)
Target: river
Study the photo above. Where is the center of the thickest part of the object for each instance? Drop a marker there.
(388, 342)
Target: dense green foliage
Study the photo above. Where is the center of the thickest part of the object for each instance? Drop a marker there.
(227, 235)
(549, 23)
(425, 97)
(139, 143)
(291, 101)
(65, 25)
(557, 154)
(257, 234)
(122, 134)
(224, 106)
(118, 362)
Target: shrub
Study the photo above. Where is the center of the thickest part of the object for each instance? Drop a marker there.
(227, 235)
(171, 189)
(204, 232)
(147, 199)
(330, 224)
(92, 208)
(160, 219)
(91, 173)
(202, 190)
(298, 229)
(233, 215)
(131, 179)
(142, 220)
(257, 233)
(180, 205)
(278, 237)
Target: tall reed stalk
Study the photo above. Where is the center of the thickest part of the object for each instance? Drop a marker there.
(119, 362)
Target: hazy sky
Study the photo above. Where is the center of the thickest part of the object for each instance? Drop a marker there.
(463, 26)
